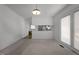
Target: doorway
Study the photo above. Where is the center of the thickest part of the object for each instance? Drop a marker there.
(30, 34)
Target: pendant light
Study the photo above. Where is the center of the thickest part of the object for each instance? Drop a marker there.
(36, 11)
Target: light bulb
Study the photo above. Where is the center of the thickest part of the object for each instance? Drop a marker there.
(36, 12)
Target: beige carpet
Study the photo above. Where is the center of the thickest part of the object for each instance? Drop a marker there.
(45, 47)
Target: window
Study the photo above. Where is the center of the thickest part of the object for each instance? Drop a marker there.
(33, 27)
(65, 30)
(76, 30)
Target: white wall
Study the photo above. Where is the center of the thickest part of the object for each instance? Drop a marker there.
(42, 20)
(12, 27)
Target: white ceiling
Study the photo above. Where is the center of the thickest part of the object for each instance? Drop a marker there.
(25, 10)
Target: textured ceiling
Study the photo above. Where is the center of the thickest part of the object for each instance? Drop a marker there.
(25, 10)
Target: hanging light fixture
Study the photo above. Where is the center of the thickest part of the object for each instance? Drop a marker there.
(36, 11)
